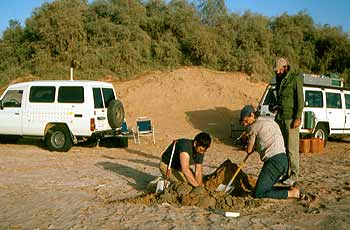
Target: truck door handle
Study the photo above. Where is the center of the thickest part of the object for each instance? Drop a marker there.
(101, 118)
(17, 113)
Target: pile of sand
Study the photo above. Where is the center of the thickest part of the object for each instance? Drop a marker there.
(186, 100)
(206, 196)
(243, 184)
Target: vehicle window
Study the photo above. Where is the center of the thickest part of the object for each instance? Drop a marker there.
(333, 100)
(313, 99)
(270, 97)
(42, 94)
(347, 101)
(108, 95)
(71, 94)
(98, 101)
(13, 98)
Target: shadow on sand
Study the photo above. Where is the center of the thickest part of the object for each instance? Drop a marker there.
(135, 178)
(141, 154)
(22, 141)
(217, 122)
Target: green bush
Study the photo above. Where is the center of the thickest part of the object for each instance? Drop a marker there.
(122, 38)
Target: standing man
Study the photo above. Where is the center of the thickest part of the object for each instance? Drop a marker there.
(186, 152)
(290, 104)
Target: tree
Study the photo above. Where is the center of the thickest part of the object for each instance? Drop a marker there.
(125, 37)
(332, 50)
(13, 51)
(253, 43)
(293, 37)
(116, 37)
(56, 31)
(211, 11)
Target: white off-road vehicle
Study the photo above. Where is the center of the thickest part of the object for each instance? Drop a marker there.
(60, 112)
(326, 108)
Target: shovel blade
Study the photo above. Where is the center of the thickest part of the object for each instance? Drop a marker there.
(223, 188)
(162, 185)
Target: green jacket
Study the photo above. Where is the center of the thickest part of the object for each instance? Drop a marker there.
(290, 96)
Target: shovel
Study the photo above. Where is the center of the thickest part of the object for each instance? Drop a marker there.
(240, 137)
(228, 188)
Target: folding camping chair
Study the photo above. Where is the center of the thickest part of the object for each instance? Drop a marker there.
(126, 131)
(144, 127)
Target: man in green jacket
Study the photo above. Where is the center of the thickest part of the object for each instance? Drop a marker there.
(290, 104)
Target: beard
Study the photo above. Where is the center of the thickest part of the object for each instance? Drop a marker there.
(282, 75)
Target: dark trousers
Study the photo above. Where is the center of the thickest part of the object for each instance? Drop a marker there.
(272, 170)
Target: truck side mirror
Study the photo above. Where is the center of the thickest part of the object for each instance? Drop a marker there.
(1, 105)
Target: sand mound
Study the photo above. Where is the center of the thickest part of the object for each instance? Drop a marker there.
(186, 100)
(206, 196)
(243, 183)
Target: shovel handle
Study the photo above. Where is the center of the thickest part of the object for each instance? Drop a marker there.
(240, 137)
(167, 174)
(172, 155)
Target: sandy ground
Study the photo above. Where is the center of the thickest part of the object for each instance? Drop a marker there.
(81, 189)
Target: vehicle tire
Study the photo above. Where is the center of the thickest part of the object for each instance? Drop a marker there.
(321, 132)
(58, 139)
(115, 114)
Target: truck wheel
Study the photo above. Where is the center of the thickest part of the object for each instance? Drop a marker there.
(115, 114)
(58, 139)
(321, 132)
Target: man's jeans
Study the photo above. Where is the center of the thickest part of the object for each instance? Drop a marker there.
(272, 170)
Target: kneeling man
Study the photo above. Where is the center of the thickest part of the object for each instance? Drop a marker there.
(186, 153)
(264, 136)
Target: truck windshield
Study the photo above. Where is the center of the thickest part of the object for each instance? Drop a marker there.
(270, 97)
(13, 98)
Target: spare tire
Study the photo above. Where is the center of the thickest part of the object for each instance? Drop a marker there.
(115, 114)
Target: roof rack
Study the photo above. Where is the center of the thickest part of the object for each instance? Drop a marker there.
(323, 80)
(332, 80)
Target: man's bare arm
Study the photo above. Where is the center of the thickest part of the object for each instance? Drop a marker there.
(185, 167)
(199, 173)
(250, 147)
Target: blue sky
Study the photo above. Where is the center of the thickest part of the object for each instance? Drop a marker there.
(332, 12)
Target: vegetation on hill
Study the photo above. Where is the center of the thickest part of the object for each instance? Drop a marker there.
(125, 37)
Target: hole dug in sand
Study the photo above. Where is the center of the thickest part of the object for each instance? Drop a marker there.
(206, 196)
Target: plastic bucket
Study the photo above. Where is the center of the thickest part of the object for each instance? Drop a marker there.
(304, 146)
(314, 145)
(320, 145)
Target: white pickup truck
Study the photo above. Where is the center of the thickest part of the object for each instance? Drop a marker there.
(60, 112)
